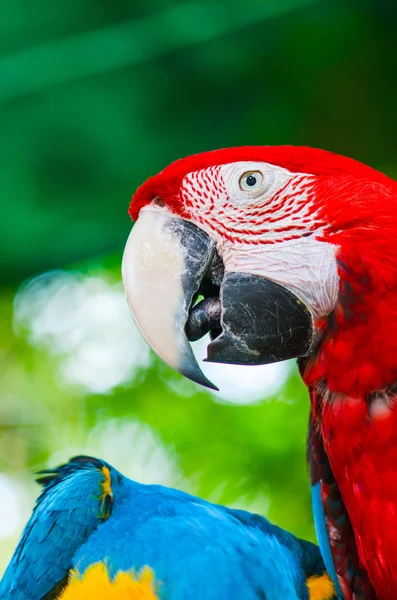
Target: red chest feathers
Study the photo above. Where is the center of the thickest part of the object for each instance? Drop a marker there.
(361, 442)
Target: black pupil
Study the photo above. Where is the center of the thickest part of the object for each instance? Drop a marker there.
(251, 180)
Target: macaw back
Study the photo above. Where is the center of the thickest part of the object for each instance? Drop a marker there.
(138, 541)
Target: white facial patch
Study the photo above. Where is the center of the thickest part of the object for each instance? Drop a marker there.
(269, 231)
(273, 179)
(305, 266)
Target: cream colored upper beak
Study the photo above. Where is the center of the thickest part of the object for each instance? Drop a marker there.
(164, 261)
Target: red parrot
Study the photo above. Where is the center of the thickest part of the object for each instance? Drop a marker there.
(284, 252)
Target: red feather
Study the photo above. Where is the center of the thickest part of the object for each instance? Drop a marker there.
(297, 159)
(352, 575)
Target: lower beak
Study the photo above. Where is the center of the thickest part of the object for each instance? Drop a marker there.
(262, 322)
(252, 320)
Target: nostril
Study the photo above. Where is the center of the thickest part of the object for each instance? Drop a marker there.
(158, 202)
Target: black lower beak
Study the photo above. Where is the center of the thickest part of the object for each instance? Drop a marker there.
(254, 321)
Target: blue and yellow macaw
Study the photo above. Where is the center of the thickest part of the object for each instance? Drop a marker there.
(96, 534)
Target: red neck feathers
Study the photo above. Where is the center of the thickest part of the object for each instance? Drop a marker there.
(356, 359)
(358, 351)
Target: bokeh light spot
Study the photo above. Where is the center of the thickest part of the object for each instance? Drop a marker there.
(11, 506)
(240, 384)
(84, 321)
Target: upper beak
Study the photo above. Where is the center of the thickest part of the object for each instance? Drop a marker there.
(168, 262)
(164, 262)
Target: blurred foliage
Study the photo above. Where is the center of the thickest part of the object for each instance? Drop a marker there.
(96, 96)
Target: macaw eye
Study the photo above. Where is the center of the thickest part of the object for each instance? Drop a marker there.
(251, 181)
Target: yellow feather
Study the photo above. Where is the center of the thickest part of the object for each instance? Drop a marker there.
(320, 587)
(96, 585)
(106, 486)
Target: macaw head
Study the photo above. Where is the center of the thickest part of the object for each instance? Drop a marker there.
(277, 252)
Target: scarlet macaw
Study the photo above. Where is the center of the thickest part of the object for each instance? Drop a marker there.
(95, 534)
(292, 252)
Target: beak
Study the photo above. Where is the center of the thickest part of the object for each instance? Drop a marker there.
(252, 320)
(262, 322)
(164, 262)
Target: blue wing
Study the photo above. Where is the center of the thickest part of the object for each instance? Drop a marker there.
(308, 554)
(75, 500)
(200, 550)
(195, 550)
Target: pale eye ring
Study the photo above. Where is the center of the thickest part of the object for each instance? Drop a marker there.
(251, 181)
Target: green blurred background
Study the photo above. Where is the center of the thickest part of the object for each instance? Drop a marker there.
(95, 96)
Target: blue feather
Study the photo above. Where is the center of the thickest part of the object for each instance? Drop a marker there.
(322, 536)
(66, 513)
(197, 550)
